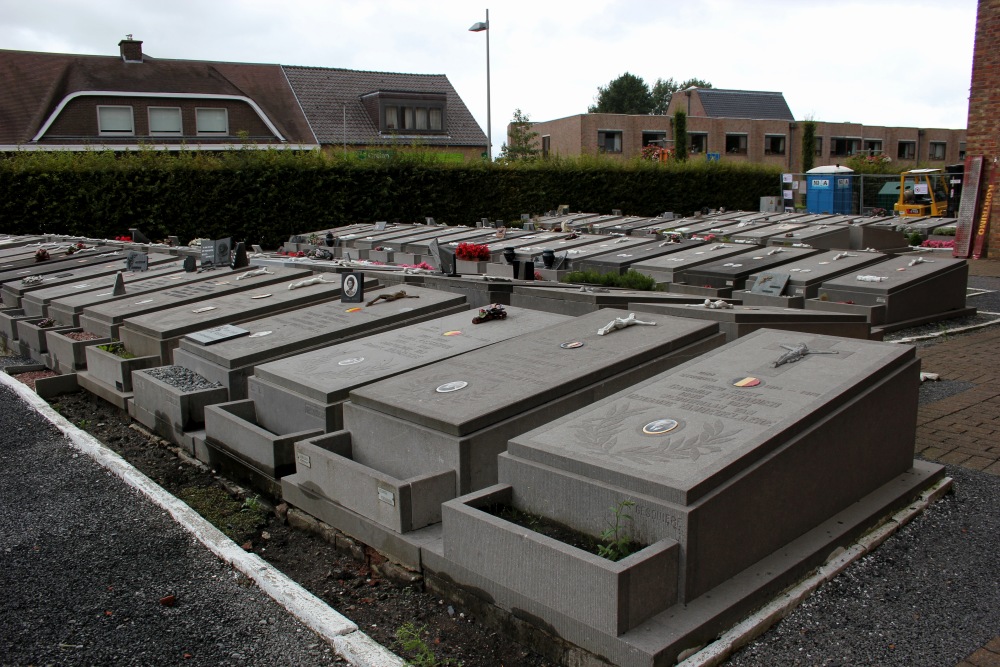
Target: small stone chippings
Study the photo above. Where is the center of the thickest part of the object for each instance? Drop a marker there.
(183, 378)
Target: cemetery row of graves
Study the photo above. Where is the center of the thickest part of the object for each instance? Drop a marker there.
(631, 471)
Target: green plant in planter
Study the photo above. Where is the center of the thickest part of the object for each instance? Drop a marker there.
(46, 323)
(617, 541)
(915, 238)
(117, 348)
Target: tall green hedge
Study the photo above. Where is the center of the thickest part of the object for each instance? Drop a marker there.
(265, 196)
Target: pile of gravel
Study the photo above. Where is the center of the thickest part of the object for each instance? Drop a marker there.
(182, 378)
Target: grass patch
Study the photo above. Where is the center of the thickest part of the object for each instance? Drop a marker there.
(632, 280)
(239, 520)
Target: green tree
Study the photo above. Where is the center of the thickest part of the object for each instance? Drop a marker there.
(663, 89)
(808, 145)
(627, 94)
(520, 139)
(680, 135)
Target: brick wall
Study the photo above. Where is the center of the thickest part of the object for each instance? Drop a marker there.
(984, 103)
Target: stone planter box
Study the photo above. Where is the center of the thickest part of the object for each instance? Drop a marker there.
(32, 338)
(9, 317)
(325, 466)
(113, 371)
(384, 256)
(167, 410)
(610, 597)
(67, 355)
(469, 267)
(235, 423)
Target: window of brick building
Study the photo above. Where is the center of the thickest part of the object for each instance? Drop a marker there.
(165, 121)
(546, 145)
(961, 150)
(212, 121)
(819, 146)
(652, 138)
(938, 150)
(907, 150)
(115, 121)
(873, 146)
(774, 144)
(698, 142)
(609, 141)
(736, 144)
(844, 146)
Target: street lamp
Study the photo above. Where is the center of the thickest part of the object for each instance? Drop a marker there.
(481, 27)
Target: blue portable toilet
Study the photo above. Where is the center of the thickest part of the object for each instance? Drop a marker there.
(830, 189)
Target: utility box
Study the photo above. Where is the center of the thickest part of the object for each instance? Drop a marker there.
(830, 190)
(770, 204)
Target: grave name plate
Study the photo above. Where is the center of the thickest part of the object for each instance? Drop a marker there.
(217, 334)
(770, 283)
(136, 261)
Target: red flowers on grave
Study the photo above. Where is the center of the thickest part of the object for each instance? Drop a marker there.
(41, 255)
(934, 243)
(473, 252)
(126, 239)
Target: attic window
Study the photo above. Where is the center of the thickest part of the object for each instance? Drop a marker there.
(115, 121)
(212, 122)
(408, 113)
(164, 121)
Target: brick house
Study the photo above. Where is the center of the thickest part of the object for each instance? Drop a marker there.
(745, 126)
(78, 102)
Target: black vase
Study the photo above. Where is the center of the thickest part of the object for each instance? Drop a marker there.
(548, 258)
(508, 255)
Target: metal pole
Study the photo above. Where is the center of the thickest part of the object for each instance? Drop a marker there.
(489, 126)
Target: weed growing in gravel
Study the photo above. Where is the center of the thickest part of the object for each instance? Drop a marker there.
(83, 424)
(409, 639)
(117, 348)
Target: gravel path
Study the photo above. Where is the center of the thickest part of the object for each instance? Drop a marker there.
(929, 596)
(85, 561)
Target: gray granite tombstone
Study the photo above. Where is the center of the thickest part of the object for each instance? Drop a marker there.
(744, 473)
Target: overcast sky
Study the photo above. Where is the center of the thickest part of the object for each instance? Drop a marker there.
(877, 62)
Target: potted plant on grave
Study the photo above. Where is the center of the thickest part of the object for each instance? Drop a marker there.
(112, 365)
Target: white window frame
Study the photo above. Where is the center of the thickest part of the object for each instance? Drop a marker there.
(211, 133)
(165, 133)
(116, 133)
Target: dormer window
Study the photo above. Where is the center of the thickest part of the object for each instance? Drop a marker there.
(407, 113)
(115, 121)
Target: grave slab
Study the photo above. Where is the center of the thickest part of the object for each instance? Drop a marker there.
(899, 289)
(807, 274)
(158, 333)
(620, 262)
(580, 300)
(741, 320)
(36, 302)
(60, 263)
(307, 389)
(757, 459)
(15, 291)
(106, 319)
(67, 309)
(733, 272)
(825, 236)
(669, 268)
(761, 235)
(318, 325)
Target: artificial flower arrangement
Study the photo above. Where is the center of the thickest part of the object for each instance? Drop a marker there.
(473, 252)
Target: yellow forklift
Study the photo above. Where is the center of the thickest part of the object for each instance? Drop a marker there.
(922, 193)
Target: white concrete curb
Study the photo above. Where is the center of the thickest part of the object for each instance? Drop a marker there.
(340, 632)
(760, 621)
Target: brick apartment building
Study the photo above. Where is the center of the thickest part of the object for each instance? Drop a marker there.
(745, 126)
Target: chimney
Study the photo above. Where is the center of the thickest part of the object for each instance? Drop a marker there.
(131, 49)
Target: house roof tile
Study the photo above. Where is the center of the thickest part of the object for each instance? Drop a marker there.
(755, 104)
(325, 93)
